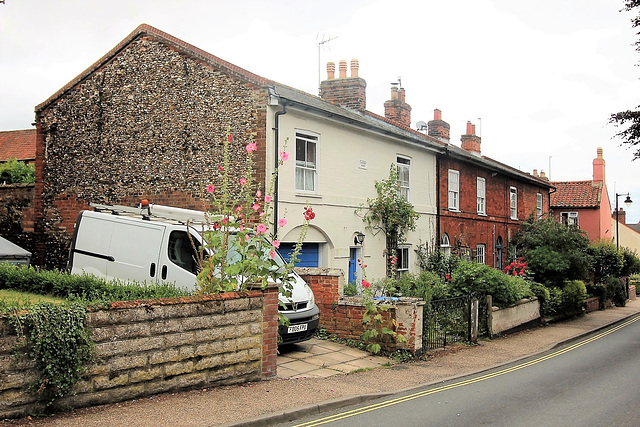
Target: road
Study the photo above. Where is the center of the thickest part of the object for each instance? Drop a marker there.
(592, 382)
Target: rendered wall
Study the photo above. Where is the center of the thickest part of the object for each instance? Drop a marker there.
(525, 311)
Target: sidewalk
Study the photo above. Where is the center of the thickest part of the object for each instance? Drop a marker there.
(291, 397)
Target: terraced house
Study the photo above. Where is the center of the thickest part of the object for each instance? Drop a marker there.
(149, 118)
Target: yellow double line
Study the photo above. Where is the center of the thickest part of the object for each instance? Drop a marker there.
(463, 383)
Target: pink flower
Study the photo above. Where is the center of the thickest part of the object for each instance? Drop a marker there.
(252, 146)
(276, 243)
(284, 156)
(211, 188)
(241, 227)
(246, 238)
(225, 220)
(261, 229)
(239, 208)
(282, 222)
(273, 254)
(267, 199)
(258, 194)
(221, 168)
(256, 207)
(230, 137)
(243, 181)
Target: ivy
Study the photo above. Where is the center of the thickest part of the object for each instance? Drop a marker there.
(55, 337)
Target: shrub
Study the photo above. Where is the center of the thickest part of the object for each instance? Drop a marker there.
(74, 287)
(479, 278)
(616, 291)
(426, 285)
(631, 264)
(606, 261)
(17, 172)
(574, 293)
(544, 298)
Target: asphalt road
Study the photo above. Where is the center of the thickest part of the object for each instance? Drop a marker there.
(592, 382)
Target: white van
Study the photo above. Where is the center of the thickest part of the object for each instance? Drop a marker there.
(152, 245)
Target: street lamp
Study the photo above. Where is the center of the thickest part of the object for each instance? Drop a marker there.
(627, 202)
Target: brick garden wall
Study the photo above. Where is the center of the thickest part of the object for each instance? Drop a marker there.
(17, 215)
(150, 122)
(156, 346)
(342, 316)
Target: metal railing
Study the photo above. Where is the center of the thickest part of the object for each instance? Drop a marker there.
(454, 320)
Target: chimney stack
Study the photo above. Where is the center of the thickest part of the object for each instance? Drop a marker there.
(396, 109)
(438, 128)
(622, 216)
(348, 92)
(598, 167)
(470, 141)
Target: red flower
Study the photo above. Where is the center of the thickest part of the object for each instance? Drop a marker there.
(230, 137)
(365, 284)
(309, 214)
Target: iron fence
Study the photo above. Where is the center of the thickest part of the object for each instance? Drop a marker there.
(449, 321)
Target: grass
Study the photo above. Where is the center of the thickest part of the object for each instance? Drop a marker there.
(24, 298)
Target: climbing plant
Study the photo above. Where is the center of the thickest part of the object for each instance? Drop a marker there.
(55, 337)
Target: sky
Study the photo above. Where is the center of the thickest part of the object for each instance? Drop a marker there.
(538, 79)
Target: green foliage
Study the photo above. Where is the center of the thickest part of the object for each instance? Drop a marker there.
(557, 300)
(631, 263)
(554, 252)
(55, 337)
(629, 120)
(442, 265)
(86, 288)
(616, 291)
(391, 214)
(350, 289)
(544, 298)
(574, 292)
(17, 172)
(606, 261)
(426, 285)
(474, 277)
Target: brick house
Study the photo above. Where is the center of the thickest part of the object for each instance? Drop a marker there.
(585, 203)
(148, 119)
(482, 202)
(18, 144)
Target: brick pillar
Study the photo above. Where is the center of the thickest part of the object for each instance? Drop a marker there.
(270, 333)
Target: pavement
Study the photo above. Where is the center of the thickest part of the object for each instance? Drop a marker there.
(320, 375)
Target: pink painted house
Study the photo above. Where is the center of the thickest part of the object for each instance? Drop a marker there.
(585, 203)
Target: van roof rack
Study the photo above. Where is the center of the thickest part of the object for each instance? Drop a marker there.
(152, 211)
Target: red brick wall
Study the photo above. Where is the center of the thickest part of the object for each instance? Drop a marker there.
(468, 227)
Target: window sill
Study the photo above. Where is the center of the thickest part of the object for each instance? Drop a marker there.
(312, 195)
(482, 214)
(454, 210)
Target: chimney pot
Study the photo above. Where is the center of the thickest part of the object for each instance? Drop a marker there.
(470, 128)
(437, 114)
(355, 65)
(343, 69)
(331, 70)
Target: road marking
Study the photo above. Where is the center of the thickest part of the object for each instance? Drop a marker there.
(419, 394)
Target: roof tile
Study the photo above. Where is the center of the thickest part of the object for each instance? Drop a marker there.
(576, 194)
(18, 144)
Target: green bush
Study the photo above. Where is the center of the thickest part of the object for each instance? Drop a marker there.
(631, 264)
(606, 261)
(426, 285)
(350, 289)
(574, 292)
(544, 298)
(17, 172)
(616, 291)
(74, 287)
(473, 277)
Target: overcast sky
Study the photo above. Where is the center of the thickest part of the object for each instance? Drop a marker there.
(539, 79)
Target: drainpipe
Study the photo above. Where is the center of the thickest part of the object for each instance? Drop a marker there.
(277, 165)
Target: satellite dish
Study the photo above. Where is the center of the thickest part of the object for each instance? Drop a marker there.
(421, 125)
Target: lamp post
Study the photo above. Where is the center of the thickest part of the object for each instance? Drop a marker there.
(627, 202)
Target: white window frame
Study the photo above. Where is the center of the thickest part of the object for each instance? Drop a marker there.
(304, 167)
(404, 165)
(480, 253)
(454, 190)
(539, 205)
(481, 195)
(513, 202)
(445, 245)
(570, 218)
(403, 258)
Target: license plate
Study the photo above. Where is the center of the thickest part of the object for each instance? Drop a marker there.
(297, 328)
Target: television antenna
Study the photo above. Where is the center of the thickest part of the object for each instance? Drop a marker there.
(325, 39)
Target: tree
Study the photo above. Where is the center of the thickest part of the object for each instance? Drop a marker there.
(17, 172)
(631, 119)
(391, 214)
(606, 261)
(553, 251)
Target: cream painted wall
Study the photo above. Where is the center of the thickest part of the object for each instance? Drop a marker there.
(629, 238)
(350, 160)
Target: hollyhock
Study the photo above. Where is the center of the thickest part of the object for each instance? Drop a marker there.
(284, 156)
(261, 229)
(282, 222)
(268, 199)
(211, 188)
(276, 243)
(252, 146)
(243, 181)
